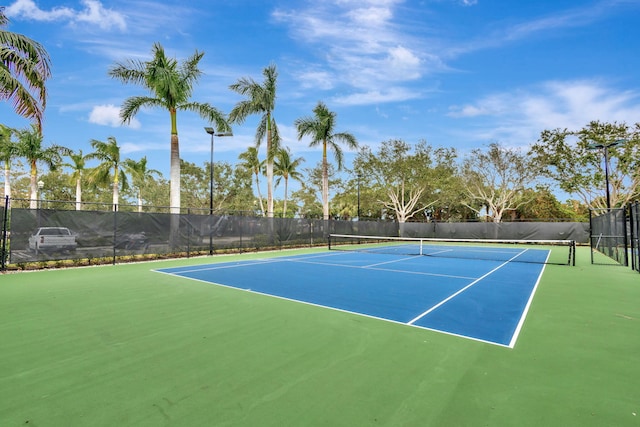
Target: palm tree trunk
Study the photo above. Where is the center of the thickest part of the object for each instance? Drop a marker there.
(269, 189)
(78, 195)
(174, 172)
(33, 203)
(269, 171)
(284, 208)
(174, 183)
(325, 183)
(259, 194)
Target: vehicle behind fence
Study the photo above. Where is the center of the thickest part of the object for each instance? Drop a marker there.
(98, 234)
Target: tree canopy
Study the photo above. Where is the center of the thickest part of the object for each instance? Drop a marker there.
(578, 162)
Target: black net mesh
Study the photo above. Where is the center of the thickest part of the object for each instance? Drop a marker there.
(609, 235)
(97, 232)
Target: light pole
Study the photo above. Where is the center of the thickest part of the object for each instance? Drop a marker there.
(213, 133)
(605, 148)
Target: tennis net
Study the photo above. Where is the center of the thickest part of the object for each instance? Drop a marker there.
(560, 252)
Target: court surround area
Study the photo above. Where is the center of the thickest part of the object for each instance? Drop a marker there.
(125, 345)
(478, 299)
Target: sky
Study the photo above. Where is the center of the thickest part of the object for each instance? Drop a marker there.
(456, 73)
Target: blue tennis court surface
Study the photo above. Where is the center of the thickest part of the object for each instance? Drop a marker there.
(477, 299)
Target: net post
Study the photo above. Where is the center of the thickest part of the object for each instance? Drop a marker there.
(572, 253)
(329, 241)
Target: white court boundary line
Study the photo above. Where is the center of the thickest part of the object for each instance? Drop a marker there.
(304, 260)
(411, 323)
(455, 294)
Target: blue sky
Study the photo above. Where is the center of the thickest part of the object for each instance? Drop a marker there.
(457, 73)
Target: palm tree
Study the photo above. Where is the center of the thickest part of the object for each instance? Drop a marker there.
(24, 68)
(285, 167)
(252, 162)
(78, 168)
(111, 170)
(321, 130)
(140, 174)
(8, 150)
(171, 87)
(30, 147)
(260, 99)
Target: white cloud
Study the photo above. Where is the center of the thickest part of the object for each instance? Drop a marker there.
(94, 13)
(363, 46)
(316, 80)
(393, 94)
(519, 116)
(109, 115)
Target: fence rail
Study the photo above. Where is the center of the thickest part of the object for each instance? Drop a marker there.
(99, 234)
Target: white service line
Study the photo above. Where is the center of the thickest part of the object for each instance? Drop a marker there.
(420, 273)
(388, 262)
(450, 297)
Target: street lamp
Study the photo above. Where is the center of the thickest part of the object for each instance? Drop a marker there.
(605, 148)
(213, 133)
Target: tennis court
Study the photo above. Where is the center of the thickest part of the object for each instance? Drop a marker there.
(481, 299)
(125, 345)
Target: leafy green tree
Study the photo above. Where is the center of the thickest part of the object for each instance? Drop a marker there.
(321, 129)
(309, 197)
(140, 176)
(496, 178)
(57, 191)
(24, 70)
(8, 150)
(231, 189)
(543, 205)
(406, 180)
(241, 197)
(284, 168)
(30, 147)
(251, 162)
(171, 86)
(578, 169)
(195, 185)
(309, 206)
(111, 170)
(260, 99)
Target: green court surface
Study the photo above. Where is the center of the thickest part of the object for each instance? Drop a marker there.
(124, 346)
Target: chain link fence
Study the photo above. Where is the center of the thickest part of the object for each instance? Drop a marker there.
(56, 231)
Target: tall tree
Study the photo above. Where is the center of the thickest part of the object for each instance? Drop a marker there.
(309, 196)
(251, 162)
(497, 179)
(111, 170)
(286, 167)
(260, 99)
(569, 159)
(8, 150)
(321, 129)
(140, 175)
(78, 167)
(24, 68)
(30, 147)
(171, 86)
(406, 180)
